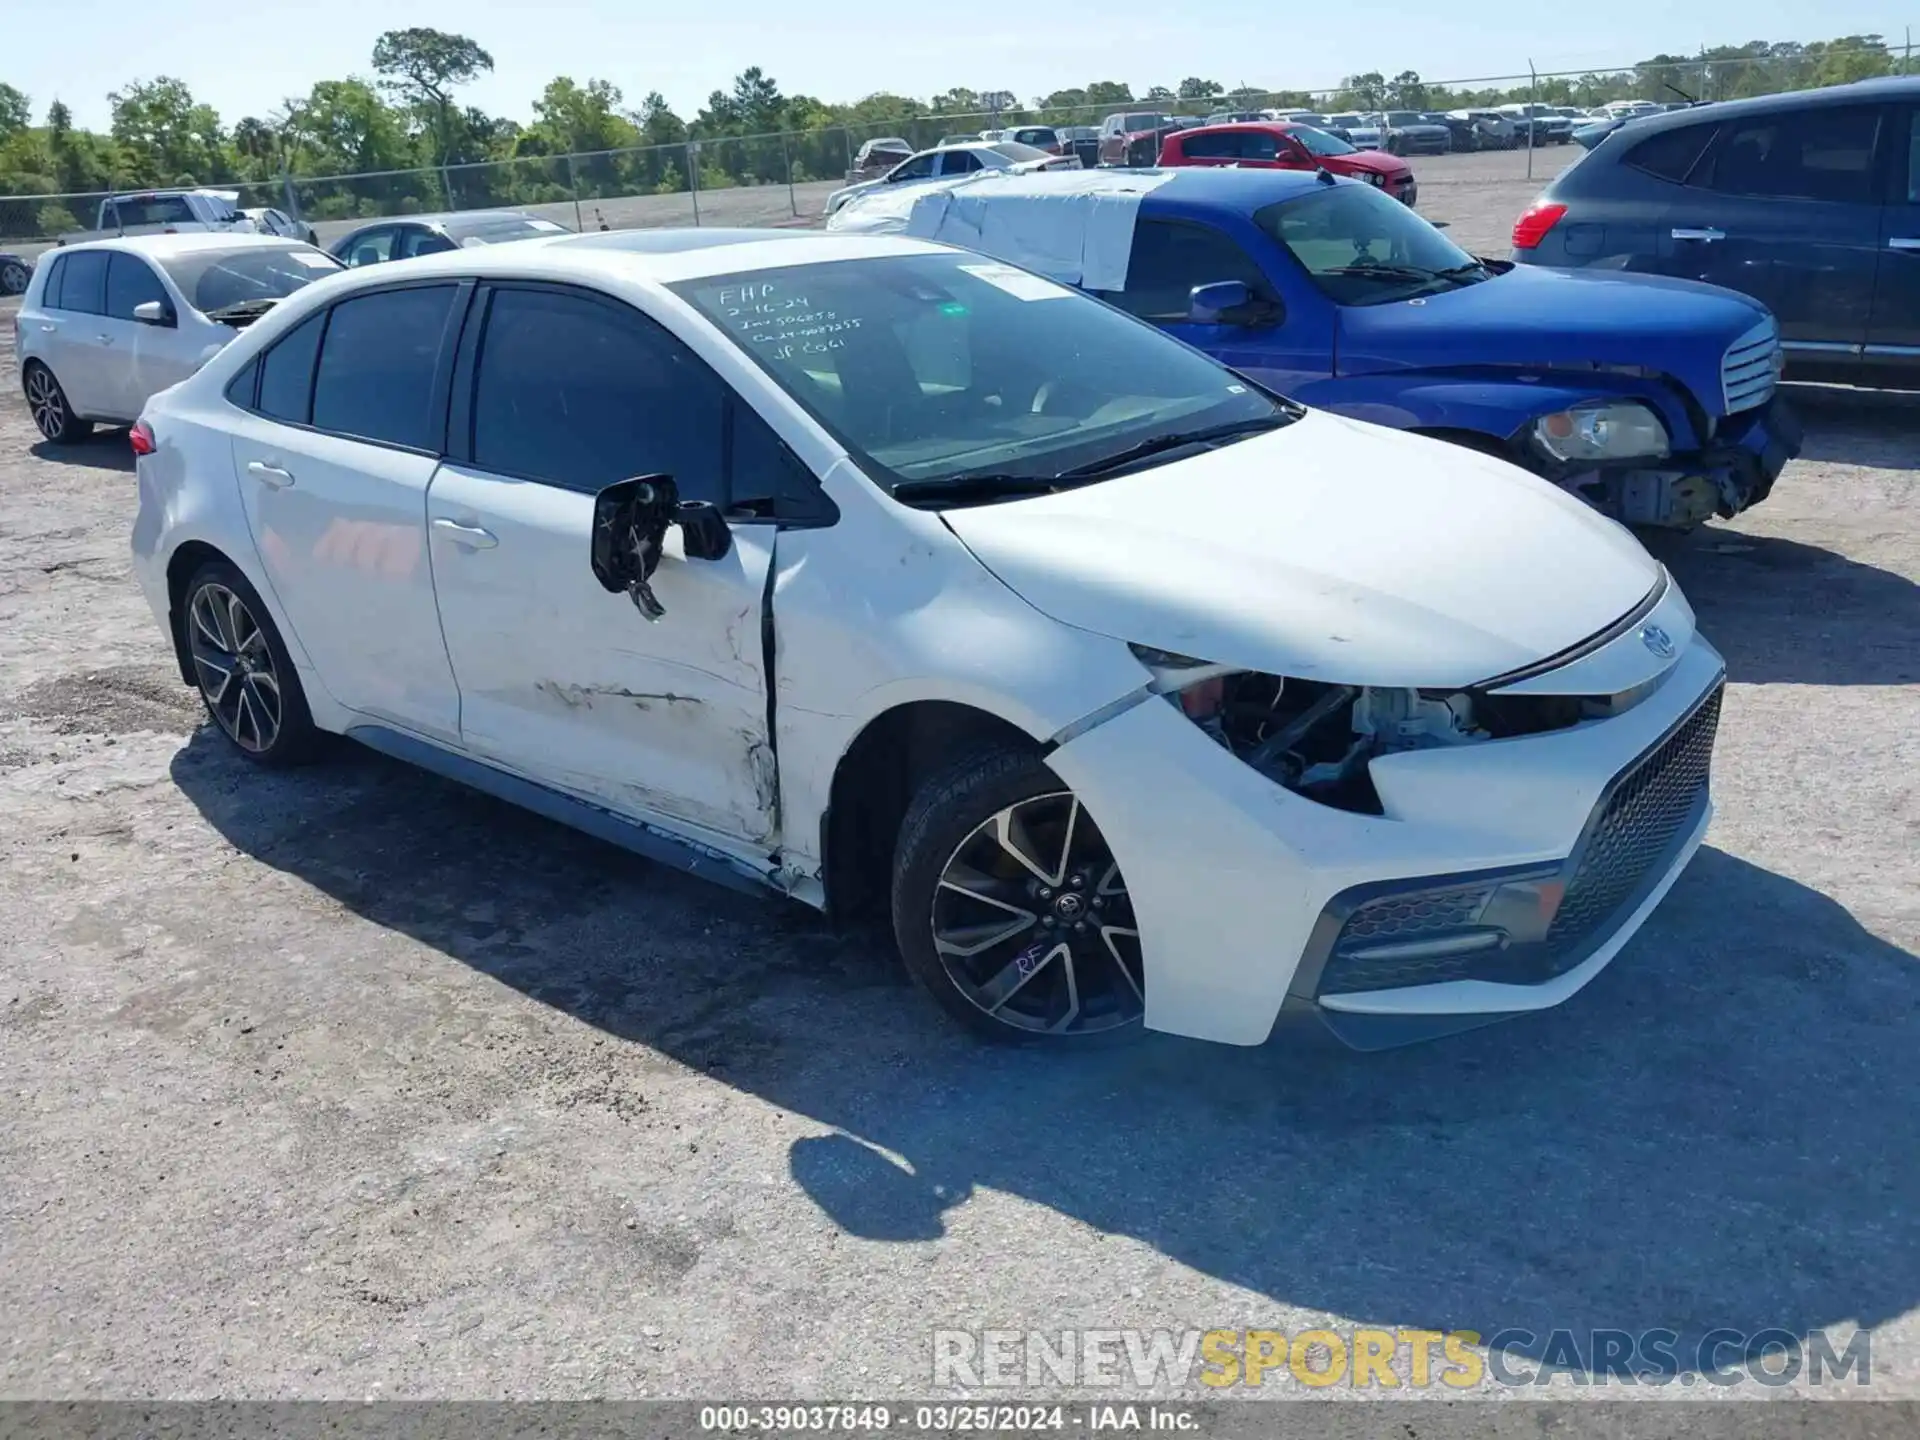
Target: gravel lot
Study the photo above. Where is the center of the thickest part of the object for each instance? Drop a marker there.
(348, 1083)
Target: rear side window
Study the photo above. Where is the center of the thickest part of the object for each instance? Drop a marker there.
(581, 393)
(1913, 161)
(286, 373)
(131, 282)
(83, 286)
(1824, 153)
(1224, 145)
(1672, 154)
(375, 376)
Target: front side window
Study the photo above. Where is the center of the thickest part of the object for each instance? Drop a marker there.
(1913, 160)
(130, 283)
(1259, 145)
(421, 241)
(377, 363)
(949, 368)
(1221, 145)
(920, 167)
(83, 285)
(1361, 248)
(581, 393)
(959, 162)
(1825, 153)
(371, 247)
(1170, 258)
(246, 278)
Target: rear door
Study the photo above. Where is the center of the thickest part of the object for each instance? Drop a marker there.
(79, 346)
(1784, 207)
(1893, 335)
(563, 393)
(333, 457)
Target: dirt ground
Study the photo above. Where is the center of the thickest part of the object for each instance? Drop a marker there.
(349, 1083)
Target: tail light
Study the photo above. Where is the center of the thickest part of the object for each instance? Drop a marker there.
(141, 438)
(1532, 227)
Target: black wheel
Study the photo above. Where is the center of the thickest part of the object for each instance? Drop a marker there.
(245, 676)
(51, 412)
(1010, 910)
(14, 275)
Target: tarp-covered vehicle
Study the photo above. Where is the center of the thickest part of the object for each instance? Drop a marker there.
(1652, 399)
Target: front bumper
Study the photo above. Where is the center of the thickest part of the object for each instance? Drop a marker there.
(1244, 891)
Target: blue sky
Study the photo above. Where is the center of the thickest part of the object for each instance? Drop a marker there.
(246, 58)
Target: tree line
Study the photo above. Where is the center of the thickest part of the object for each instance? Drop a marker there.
(411, 144)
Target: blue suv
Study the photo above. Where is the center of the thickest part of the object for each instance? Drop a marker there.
(1809, 202)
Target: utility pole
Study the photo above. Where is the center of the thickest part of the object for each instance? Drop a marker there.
(1533, 99)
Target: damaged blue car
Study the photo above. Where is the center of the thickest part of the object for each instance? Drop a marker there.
(1652, 399)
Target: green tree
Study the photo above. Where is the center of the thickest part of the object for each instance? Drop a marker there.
(424, 66)
(163, 133)
(1406, 92)
(16, 111)
(1194, 88)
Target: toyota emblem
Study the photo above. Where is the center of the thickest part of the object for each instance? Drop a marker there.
(1658, 641)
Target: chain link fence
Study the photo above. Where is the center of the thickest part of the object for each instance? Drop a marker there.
(784, 178)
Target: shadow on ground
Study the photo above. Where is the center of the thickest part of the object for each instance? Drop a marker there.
(1878, 429)
(102, 450)
(1710, 1135)
(1786, 612)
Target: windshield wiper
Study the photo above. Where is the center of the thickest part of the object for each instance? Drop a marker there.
(966, 487)
(1178, 440)
(242, 312)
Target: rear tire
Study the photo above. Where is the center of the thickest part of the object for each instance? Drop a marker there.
(14, 277)
(241, 667)
(52, 414)
(1010, 910)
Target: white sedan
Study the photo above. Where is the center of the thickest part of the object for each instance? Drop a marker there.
(945, 162)
(886, 577)
(107, 324)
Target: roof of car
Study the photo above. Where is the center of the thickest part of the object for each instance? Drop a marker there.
(1886, 87)
(187, 242)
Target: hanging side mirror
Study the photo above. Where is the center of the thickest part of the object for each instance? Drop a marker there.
(630, 522)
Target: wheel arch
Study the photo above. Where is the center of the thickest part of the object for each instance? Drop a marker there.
(875, 781)
(182, 565)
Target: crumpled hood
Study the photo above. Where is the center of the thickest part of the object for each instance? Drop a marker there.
(1536, 318)
(1330, 550)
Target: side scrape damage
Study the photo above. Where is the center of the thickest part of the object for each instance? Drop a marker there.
(577, 697)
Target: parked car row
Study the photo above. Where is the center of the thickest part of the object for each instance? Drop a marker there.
(945, 162)
(1134, 694)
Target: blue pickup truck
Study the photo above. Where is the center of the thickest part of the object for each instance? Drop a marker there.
(1652, 399)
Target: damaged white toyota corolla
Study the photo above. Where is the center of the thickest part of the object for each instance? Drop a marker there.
(883, 576)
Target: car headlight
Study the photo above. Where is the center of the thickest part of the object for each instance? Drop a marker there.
(1374, 177)
(1616, 430)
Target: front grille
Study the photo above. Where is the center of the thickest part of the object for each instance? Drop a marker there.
(1636, 826)
(1750, 370)
(1630, 835)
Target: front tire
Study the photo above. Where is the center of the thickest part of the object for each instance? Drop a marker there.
(1010, 910)
(14, 277)
(245, 677)
(52, 413)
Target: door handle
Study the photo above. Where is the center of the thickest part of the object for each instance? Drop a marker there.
(47, 327)
(1904, 242)
(106, 339)
(1705, 236)
(471, 536)
(270, 474)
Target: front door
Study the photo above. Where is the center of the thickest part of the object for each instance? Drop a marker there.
(1893, 336)
(333, 463)
(559, 679)
(1783, 208)
(1171, 257)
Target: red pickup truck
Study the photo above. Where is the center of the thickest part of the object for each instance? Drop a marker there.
(1278, 145)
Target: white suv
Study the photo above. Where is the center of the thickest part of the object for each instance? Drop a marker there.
(105, 325)
(871, 572)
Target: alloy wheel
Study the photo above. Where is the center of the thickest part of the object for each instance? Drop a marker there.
(48, 405)
(14, 278)
(1033, 925)
(235, 667)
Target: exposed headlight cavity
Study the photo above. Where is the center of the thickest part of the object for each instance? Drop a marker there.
(1588, 434)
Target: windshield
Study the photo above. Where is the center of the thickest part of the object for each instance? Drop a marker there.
(1361, 248)
(940, 367)
(214, 279)
(1318, 142)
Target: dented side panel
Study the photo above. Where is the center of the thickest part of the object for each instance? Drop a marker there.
(571, 684)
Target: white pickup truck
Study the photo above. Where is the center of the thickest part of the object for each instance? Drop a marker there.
(165, 212)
